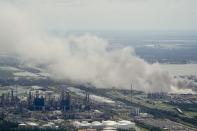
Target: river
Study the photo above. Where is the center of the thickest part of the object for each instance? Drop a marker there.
(180, 69)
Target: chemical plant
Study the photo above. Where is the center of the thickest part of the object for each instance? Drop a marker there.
(43, 108)
(87, 108)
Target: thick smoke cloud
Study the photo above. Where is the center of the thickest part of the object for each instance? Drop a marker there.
(84, 59)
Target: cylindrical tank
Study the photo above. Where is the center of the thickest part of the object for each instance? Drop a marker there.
(123, 124)
(110, 123)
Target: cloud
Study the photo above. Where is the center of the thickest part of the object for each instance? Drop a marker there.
(83, 59)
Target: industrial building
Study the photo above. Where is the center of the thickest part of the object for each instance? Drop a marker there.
(48, 106)
(38, 99)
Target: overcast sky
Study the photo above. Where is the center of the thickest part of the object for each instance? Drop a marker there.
(111, 14)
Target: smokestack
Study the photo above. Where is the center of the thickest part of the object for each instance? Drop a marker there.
(87, 101)
(12, 95)
(131, 94)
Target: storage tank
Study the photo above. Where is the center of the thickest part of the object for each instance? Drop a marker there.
(85, 124)
(124, 124)
(22, 125)
(110, 123)
(76, 124)
(97, 124)
(32, 124)
(49, 125)
(109, 129)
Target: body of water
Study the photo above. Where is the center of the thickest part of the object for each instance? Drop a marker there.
(180, 69)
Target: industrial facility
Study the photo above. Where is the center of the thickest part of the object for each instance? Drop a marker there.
(60, 109)
(81, 108)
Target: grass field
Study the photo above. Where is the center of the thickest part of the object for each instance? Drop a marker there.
(191, 114)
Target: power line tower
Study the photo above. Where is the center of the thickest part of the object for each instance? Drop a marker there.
(16, 91)
(131, 96)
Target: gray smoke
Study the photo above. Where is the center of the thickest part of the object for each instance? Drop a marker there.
(84, 59)
(186, 82)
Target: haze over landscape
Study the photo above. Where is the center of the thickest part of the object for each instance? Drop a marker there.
(110, 14)
(86, 58)
(98, 65)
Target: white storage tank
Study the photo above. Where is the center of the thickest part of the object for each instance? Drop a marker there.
(22, 125)
(85, 124)
(97, 124)
(124, 124)
(32, 124)
(110, 124)
(109, 129)
(76, 124)
(49, 125)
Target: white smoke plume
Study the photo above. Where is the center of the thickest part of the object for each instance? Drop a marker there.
(84, 59)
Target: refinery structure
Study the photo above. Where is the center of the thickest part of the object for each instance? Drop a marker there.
(87, 108)
(62, 109)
